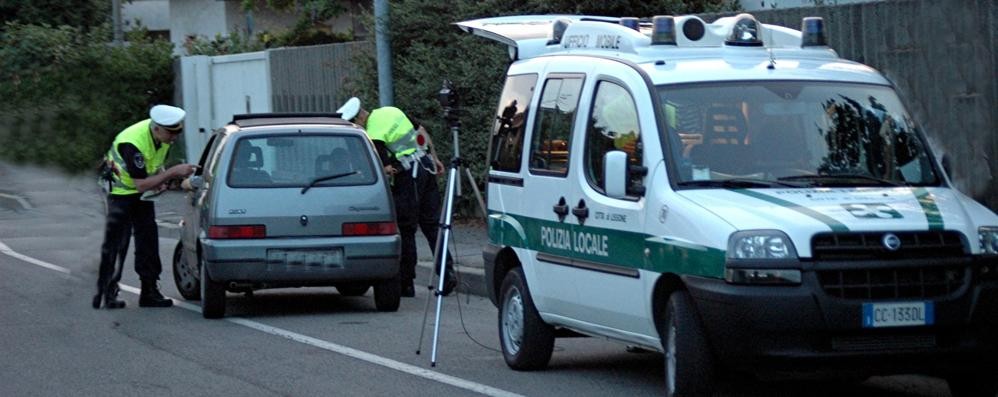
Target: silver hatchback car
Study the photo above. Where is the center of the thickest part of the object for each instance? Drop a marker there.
(288, 200)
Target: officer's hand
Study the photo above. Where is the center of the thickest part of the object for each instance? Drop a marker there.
(440, 166)
(182, 170)
(389, 170)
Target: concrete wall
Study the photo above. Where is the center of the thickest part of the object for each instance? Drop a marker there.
(941, 56)
(196, 17)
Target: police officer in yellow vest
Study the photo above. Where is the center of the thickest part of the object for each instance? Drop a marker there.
(135, 160)
(414, 186)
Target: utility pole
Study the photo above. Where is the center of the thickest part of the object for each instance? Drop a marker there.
(116, 22)
(384, 50)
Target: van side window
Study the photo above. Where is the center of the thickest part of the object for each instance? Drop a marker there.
(551, 141)
(510, 124)
(613, 125)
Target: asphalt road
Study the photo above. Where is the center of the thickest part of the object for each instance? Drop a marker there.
(279, 342)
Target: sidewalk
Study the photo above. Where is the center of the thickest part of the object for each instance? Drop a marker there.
(468, 238)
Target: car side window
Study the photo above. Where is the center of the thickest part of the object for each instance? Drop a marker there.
(209, 148)
(510, 125)
(551, 142)
(613, 125)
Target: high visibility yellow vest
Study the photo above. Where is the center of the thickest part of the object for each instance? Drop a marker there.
(389, 125)
(139, 135)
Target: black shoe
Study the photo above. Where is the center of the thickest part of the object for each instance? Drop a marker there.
(110, 296)
(450, 284)
(408, 289)
(150, 296)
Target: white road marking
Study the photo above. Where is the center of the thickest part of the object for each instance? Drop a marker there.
(308, 340)
(20, 200)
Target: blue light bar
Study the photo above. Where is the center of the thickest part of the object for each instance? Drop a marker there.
(630, 22)
(663, 31)
(813, 32)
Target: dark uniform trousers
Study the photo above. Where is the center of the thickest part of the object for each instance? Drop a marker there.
(125, 213)
(417, 204)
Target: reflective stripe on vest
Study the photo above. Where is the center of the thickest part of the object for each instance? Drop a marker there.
(389, 125)
(140, 136)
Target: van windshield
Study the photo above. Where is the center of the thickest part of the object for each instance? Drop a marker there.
(793, 133)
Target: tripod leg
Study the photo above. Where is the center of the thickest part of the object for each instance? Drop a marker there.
(442, 259)
(478, 194)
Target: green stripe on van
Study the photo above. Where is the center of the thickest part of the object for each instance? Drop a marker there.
(929, 207)
(835, 225)
(614, 247)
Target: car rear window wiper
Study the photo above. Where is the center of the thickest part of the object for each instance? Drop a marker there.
(327, 178)
(837, 179)
(735, 183)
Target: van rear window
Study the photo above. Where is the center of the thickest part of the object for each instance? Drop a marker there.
(296, 160)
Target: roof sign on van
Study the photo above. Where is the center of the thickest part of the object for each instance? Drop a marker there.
(534, 35)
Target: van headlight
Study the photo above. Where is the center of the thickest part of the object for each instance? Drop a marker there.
(760, 244)
(761, 257)
(988, 236)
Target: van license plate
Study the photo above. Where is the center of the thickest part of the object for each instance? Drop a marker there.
(900, 314)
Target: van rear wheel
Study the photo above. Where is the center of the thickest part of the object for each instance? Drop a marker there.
(689, 368)
(527, 341)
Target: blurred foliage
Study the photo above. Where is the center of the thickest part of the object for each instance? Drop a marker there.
(84, 14)
(65, 92)
(427, 48)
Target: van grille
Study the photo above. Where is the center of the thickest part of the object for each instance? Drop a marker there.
(920, 282)
(870, 246)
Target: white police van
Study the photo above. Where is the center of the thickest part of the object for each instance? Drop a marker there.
(734, 195)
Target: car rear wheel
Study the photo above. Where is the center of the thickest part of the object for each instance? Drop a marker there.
(527, 341)
(212, 295)
(352, 289)
(688, 364)
(185, 276)
(387, 295)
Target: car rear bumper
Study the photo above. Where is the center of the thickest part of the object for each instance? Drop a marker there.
(792, 329)
(318, 261)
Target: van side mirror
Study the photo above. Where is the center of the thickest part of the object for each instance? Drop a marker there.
(615, 173)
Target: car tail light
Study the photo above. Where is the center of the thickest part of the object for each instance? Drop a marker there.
(369, 229)
(237, 231)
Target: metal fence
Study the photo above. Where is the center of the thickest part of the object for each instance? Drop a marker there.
(941, 56)
(313, 79)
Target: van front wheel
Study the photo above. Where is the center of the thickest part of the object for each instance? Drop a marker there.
(688, 364)
(527, 341)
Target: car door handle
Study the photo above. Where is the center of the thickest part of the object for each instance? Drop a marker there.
(561, 209)
(581, 211)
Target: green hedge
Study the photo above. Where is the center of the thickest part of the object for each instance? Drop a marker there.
(65, 92)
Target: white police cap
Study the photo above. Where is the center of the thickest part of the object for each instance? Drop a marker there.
(350, 109)
(167, 116)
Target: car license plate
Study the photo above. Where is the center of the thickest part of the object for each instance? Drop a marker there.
(898, 314)
(326, 257)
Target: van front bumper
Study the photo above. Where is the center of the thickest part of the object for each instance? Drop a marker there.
(798, 329)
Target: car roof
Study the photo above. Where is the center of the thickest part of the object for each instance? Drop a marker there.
(276, 119)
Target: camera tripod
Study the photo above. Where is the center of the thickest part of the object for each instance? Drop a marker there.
(441, 250)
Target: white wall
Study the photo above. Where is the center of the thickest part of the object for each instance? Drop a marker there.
(197, 17)
(154, 14)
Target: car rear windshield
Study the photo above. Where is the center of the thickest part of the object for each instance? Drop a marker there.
(297, 160)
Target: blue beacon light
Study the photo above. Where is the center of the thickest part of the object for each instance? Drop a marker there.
(663, 31)
(813, 32)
